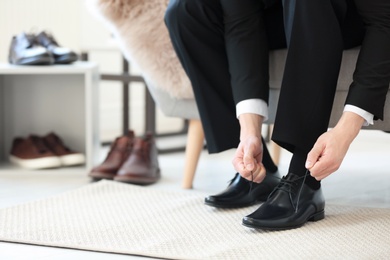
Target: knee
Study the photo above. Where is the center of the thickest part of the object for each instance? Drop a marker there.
(374, 13)
(171, 13)
(182, 9)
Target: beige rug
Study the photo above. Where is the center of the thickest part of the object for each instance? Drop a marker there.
(114, 217)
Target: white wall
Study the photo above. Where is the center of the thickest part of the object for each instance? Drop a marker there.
(73, 26)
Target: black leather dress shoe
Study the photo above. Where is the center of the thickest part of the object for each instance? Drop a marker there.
(243, 193)
(290, 205)
(61, 55)
(24, 50)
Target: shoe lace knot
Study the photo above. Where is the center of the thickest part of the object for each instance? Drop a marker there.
(293, 187)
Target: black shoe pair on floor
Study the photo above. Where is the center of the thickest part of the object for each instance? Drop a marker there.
(41, 49)
(289, 202)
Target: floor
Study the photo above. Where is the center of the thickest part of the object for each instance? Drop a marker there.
(363, 180)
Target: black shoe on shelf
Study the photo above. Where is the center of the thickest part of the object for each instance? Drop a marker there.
(290, 205)
(61, 55)
(243, 193)
(24, 50)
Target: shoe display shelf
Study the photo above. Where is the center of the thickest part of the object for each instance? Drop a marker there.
(56, 98)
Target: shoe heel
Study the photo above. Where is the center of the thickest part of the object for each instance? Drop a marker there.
(318, 216)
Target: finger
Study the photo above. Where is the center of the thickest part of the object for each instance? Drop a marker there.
(314, 155)
(260, 174)
(239, 166)
(317, 170)
(322, 169)
(257, 173)
(249, 160)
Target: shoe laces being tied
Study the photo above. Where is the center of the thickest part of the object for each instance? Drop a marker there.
(251, 181)
(291, 187)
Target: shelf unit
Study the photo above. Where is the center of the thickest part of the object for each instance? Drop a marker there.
(56, 98)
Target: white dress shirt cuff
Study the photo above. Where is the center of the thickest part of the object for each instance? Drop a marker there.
(368, 117)
(253, 106)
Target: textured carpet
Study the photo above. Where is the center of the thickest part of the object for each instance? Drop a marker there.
(113, 217)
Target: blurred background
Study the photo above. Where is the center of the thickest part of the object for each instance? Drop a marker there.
(73, 26)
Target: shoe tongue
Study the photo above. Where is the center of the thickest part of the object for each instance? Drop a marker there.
(292, 177)
(130, 133)
(38, 142)
(122, 141)
(139, 143)
(28, 40)
(290, 182)
(55, 143)
(52, 136)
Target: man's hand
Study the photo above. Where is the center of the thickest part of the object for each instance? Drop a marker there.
(327, 154)
(248, 157)
(331, 147)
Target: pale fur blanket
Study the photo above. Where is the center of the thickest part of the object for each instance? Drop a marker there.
(139, 27)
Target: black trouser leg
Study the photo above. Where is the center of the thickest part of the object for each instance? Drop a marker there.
(310, 78)
(318, 31)
(217, 57)
(246, 48)
(372, 75)
(197, 33)
(311, 72)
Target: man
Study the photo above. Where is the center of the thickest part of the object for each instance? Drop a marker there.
(223, 46)
(318, 30)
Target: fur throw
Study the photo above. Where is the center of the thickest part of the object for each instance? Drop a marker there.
(139, 27)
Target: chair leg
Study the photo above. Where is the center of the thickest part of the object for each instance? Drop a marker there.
(195, 144)
(275, 149)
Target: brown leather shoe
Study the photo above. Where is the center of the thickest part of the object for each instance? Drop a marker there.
(67, 156)
(141, 167)
(118, 153)
(32, 153)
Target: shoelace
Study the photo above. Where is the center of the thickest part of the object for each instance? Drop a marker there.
(300, 190)
(283, 183)
(52, 40)
(251, 181)
(39, 144)
(142, 148)
(125, 150)
(287, 185)
(31, 41)
(49, 39)
(57, 142)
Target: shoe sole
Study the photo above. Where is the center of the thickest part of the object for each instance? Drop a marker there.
(230, 206)
(100, 176)
(40, 60)
(35, 164)
(137, 180)
(72, 159)
(66, 59)
(315, 217)
(237, 205)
